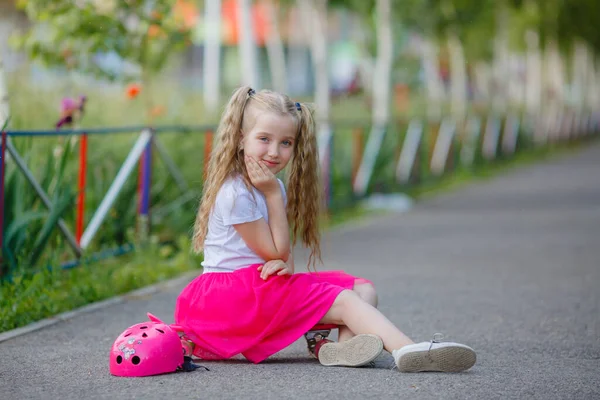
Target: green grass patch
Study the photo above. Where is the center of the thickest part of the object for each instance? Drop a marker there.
(30, 297)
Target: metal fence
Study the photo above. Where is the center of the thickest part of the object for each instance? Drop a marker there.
(421, 150)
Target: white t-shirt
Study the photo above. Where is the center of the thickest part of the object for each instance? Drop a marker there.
(224, 248)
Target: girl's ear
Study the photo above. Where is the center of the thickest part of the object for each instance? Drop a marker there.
(242, 138)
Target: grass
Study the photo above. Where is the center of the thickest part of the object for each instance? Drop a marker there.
(31, 297)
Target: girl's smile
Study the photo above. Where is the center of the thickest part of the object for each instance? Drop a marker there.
(270, 163)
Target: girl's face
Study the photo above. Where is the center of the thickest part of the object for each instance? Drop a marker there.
(271, 140)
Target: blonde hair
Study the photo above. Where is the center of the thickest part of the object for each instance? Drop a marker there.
(227, 159)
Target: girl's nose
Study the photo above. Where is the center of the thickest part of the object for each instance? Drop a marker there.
(273, 150)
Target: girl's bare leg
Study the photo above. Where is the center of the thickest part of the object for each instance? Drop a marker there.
(350, 310)
(367, 292)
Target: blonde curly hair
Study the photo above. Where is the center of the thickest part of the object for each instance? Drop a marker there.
(303, 178)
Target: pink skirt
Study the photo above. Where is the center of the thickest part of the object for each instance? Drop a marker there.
(226, 314)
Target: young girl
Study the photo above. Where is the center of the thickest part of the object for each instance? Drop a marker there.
(249, 300)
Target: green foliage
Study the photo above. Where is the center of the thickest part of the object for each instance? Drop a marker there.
(30, 297)
(559, 21)
(28, 225)
(477, 22)
(72, 35)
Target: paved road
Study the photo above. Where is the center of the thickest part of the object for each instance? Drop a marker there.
(510, 267)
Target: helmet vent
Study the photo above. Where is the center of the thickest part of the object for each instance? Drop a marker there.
(135, 360)
(144, 334)
(119, 359)
(143, 327)
(160, 330)
(127, 334)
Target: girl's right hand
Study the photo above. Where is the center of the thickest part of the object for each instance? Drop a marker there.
(261, 177)
(272, 267)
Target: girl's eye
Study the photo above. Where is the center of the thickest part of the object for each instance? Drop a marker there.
(264, 139)
(287, 143)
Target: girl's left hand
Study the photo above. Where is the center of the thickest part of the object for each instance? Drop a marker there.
(261, 177)
(274, 266)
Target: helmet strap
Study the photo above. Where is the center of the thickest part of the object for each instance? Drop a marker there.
(188, 365)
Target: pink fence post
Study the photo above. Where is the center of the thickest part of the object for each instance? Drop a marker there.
(81, 187)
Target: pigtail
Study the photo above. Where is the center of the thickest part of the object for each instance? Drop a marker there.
(304, 186)
(224, 153)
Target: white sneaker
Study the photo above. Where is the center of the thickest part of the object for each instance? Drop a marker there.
(434, 356)
(355, 352)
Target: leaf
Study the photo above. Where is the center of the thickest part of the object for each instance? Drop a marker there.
(65, 202)
(5, 122)
(21, 223)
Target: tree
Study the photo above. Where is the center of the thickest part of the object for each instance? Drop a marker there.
(75, 35)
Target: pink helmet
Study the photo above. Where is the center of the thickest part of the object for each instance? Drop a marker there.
(149, 348)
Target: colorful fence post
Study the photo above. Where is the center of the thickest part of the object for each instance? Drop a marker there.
(491, 137)
(81, 187)
(208, 140)
(511, 134)
(374, 142)
(115, 187)
(2, 169)
(441, 147)
(409, 152)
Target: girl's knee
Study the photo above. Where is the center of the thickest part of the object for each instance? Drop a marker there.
(367, 292)
(345, 298)
(342, 303)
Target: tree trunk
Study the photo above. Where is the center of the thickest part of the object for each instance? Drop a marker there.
(366, 63)
(314, 16)
(554, 90)
(212, 54)
(500, 63)
(299, 54)
(516, 87)
(533, 92)
(381, 96)
(275, 51)
(593, 91)
(579, 80)
(482, 79)
(247, 43)
(433, 82)
(458, 77)
(383, 64)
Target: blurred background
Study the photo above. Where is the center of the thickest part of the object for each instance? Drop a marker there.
(408, 93)
(419, 55)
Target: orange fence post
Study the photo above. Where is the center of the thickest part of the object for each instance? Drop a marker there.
(208, 140)
(81, 188)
